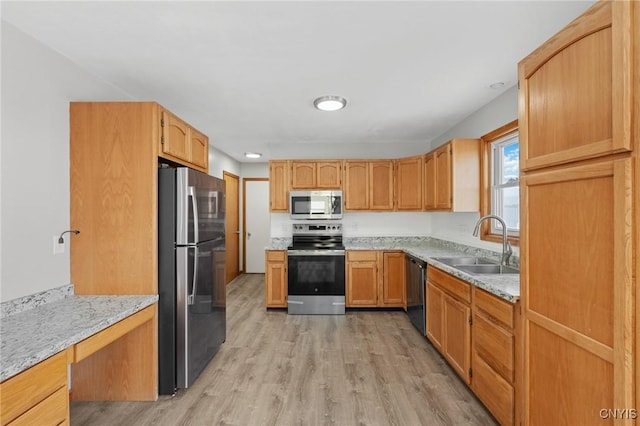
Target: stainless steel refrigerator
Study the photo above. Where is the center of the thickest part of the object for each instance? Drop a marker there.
(191, 274)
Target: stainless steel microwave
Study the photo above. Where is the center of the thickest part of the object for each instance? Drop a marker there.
(315, 204)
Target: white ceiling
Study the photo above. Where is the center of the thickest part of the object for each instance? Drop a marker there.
(246, 73)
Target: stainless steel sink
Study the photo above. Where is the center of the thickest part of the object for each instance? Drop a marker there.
(487, 269)
(465, 260)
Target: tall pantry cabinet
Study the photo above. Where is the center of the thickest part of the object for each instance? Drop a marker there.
(115, 147)
(579, 129)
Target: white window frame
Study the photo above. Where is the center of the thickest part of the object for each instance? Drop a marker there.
(497, 168)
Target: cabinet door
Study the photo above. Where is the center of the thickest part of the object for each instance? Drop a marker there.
(576, 289)
(409, 183)
(362, 278)
(279, 186)
(303, 175)
(393, 281)
(457, 335)
(175, 136)
(592, 62)
(356, 185)
(443, 177)
(435, 331)
(328, 174)
(494, 391)
(430, 181)
(381, 185)
(199, 149)
(276, 279)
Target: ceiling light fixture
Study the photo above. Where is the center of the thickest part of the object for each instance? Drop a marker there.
(497, 85)
(252, 154)
(330, 103)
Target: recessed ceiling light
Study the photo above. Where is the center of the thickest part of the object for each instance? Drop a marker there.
(252, 154)
(497, 85)
(330, 103)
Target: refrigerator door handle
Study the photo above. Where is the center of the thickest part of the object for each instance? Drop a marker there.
(194, 284)
(194, 204)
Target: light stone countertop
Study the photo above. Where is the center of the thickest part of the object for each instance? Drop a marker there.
(505, 286)
(31, 336)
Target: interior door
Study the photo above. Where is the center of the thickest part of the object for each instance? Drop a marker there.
(232, 226)
(257, 223)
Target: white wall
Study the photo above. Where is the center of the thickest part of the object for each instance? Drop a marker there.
(219, 162)
(458, 227)
(37, 86)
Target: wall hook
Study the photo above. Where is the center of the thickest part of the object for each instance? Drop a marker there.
(61, 240)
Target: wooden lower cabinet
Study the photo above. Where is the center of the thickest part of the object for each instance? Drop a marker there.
(38, 395)
(448, 319)
(375, 279)
(276, 278)
(492, 355)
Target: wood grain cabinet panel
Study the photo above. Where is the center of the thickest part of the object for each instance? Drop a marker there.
(435, 330)
(408, 183)
(279, 186)
(590, 61)
(182, 143)
(393, 281)
(381, 179)
(199, 149)
(452, 177)
(578, 103)
(368, 185)
(329, 174)
(362, 279)
(276, 288)
(41, 388)
(303, 174)
(316, 174)
(356, 185)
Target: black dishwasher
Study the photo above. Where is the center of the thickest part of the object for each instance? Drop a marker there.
(416, 271)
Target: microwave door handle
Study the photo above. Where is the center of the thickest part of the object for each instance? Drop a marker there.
(194, 204)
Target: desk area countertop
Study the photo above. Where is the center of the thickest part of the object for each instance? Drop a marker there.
(31, 336)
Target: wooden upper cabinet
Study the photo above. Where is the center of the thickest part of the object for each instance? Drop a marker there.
(182, 143)
(430, 181)
(575, 90)
(199, 149)
(408, 183)
(279, 186)
(368, 185)
(329, 174)
(356, 185)
(316, 174)
(175, 136)
(381, 185)
(444, 197)
(452, 177)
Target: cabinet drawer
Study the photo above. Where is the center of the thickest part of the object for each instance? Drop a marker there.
(276, 255)
(450, 284)
(362, 256)
(495, 392)
(28, 388)
(494, 344)
(499, 309)
(51, 411)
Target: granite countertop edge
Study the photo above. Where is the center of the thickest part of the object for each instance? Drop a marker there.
(55, 326)
(507, 287)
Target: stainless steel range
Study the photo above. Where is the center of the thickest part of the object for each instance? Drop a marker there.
(316, 269)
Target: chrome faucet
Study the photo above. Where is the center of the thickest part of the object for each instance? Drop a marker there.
(506, 247)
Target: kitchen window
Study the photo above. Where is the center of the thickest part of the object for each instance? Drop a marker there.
(501, 182)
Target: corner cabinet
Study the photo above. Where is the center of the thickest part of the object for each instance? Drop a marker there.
(452, 177)
(114, 156)
(279, 186)
(181, 143)
(580, 212)
(276, 279)
(375, 279)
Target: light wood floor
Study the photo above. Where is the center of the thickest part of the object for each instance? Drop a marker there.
(363, 368)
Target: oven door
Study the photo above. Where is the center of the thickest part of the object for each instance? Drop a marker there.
(316, 272)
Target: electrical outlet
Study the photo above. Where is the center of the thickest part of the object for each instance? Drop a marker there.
(57, 247)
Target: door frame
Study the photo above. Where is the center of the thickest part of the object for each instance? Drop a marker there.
(244, 217)
(226, 174)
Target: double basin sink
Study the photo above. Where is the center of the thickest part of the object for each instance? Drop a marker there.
(476, 265)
